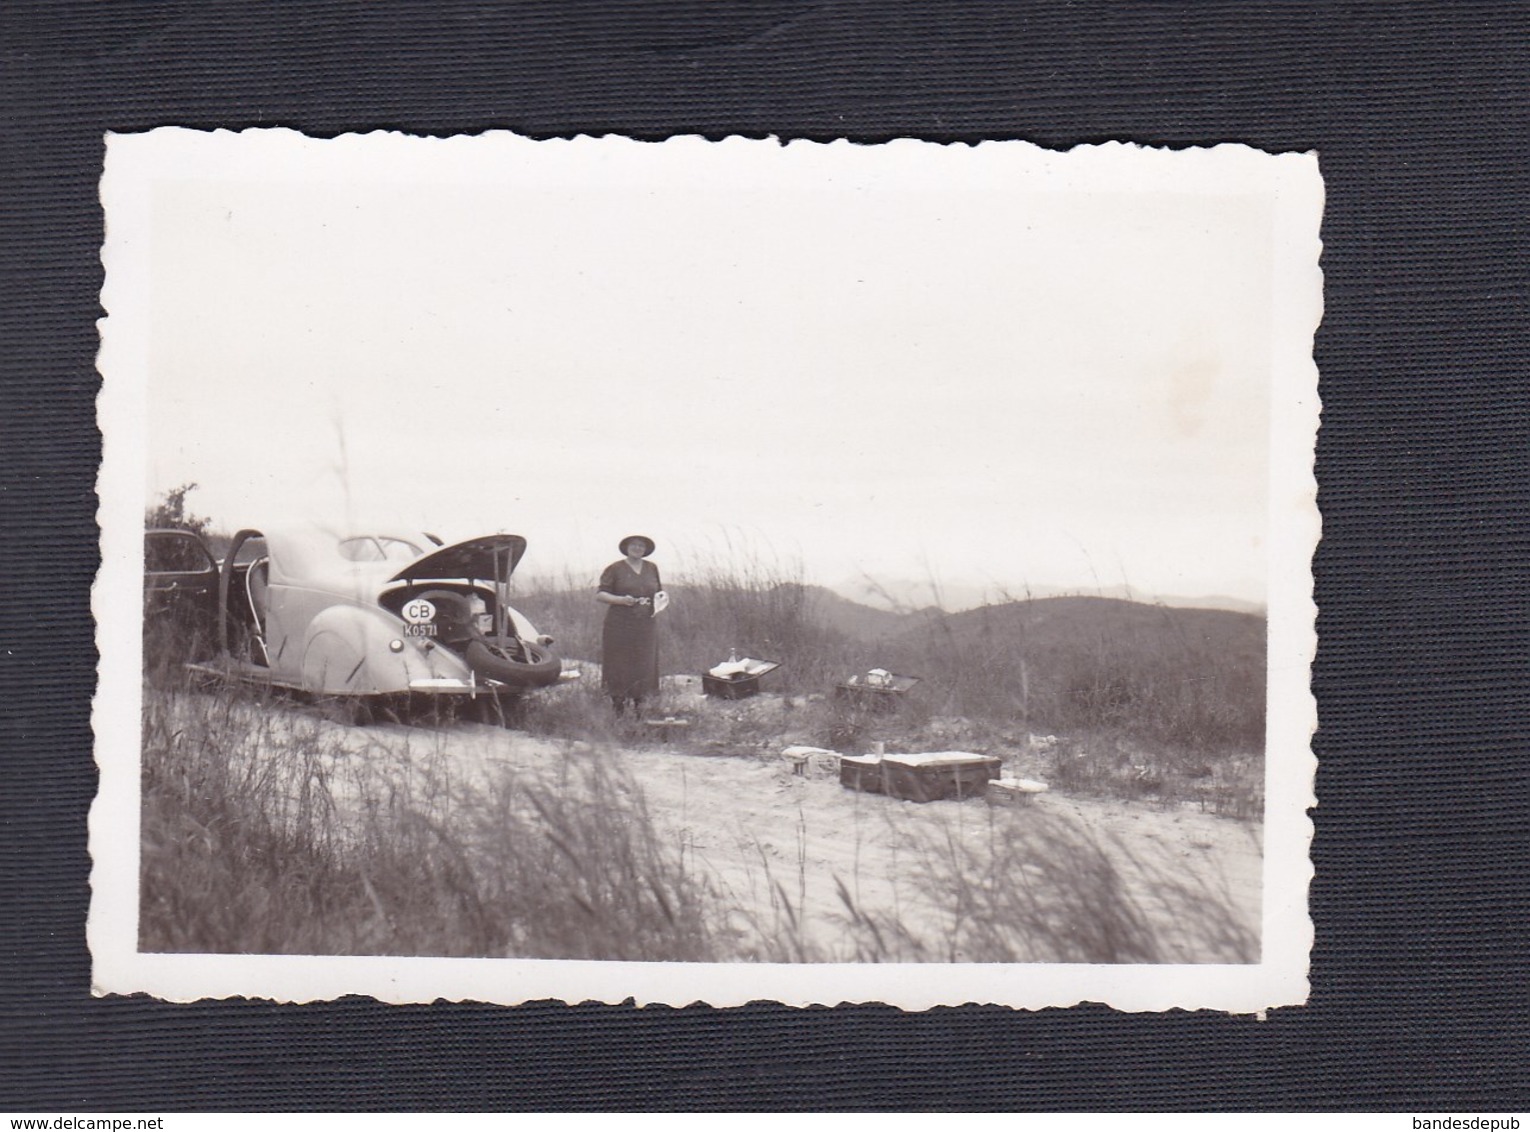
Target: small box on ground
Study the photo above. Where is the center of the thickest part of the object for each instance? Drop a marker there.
(730, 687)
(666, 727)
(1015, 789)
(877, 690)
(940, 774)
(738, 685)
(802, 758)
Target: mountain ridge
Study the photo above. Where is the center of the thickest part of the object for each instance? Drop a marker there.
(871, 623)
(903, 594)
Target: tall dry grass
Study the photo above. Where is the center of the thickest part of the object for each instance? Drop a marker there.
(272, 830)
(995, 885)
(1041, 887)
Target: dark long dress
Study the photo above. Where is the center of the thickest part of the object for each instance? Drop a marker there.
(630, 644)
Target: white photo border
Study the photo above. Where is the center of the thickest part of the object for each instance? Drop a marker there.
(1294, 188)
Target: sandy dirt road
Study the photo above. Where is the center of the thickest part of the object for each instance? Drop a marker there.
(806, 869)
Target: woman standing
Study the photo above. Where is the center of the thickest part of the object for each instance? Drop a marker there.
(630, 643)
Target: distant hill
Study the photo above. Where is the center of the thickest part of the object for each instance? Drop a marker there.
(1215, 601)
(856, 620)
(1080, 619)
(1191, 677)
(1074, 616)
(903, 594)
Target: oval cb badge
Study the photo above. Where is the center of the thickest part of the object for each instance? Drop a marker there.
(419, 611)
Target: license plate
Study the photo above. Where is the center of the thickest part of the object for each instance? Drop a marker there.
(419, 630)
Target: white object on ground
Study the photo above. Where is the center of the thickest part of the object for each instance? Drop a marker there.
(1018, 785)
(808, 752)
(800, 757)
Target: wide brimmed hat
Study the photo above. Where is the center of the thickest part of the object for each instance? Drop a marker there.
(644, 539)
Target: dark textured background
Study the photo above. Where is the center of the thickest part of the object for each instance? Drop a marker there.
(1419, 112)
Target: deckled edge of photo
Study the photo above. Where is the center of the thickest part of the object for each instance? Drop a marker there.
(1279, 979)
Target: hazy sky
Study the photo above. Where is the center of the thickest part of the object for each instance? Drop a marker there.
(810, 354)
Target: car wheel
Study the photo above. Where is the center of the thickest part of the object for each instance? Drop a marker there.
(490, 660)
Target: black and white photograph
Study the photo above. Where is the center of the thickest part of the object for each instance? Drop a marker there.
(705, 571)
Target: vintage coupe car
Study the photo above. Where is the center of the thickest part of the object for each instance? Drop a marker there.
(354, 615)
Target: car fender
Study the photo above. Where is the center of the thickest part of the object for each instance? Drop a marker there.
(520, 625)
(347, 652)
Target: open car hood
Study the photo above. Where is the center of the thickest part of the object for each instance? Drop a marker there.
(472, 560)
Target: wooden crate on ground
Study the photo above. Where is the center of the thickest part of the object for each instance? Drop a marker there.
(739, 685)
(926, 777)
(861, 772)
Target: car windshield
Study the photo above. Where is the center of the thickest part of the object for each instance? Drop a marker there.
(378, 548)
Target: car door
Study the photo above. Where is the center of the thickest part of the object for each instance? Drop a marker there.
(180, 597)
